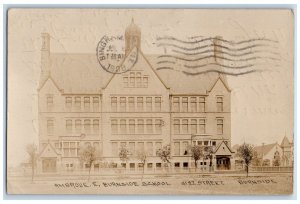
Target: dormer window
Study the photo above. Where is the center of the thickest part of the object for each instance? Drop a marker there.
(135, 80)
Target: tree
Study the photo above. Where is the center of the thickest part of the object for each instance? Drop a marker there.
(246, 153)
(256, 161)
(88, 155)
(142, 157)
(276, 161)
(165, 154)
(31, 150)
(124, 154)
(196, 153)
(208, 154)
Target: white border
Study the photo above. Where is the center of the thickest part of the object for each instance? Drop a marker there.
(137, 4)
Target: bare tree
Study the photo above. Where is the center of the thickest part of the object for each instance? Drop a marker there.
(196, 153)
(89, 155)
(246, 152)
(31, 150)
(142, 157)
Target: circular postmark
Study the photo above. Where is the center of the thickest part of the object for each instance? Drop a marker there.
(111, 55)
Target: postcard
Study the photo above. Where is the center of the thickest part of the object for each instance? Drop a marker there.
(150, 101)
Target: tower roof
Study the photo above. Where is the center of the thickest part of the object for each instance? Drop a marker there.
(285, 142)
(133, 29)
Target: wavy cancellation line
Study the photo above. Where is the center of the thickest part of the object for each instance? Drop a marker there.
(204, 65)
(223, 52)
(217, 57)
(212, 45)
(170, 38)
(220, 72)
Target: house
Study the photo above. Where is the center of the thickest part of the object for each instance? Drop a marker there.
(276, 154)
(81, 104)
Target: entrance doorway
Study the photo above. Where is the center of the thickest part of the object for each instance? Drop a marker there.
(49, 165)
(223, 163)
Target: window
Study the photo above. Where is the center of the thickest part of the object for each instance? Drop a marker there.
(220, 126)
(123, 126)
(78, 125)
(49, 102)
(132, 79)
(131, 103)
(158, 126)
(202, 104)
(193, 126)
(149, 126)
(138, 79)
(114, 126)
(148, 104)
(202, 126)
(131, 126)
(185, 148)
(214, 143)
(68, 103)
(77, 103)
(87, 126)
(114, 104)
(158, 146)
(96, 126)
(86, 102)
(176, 104)
(122, 104)
(205, 143)
(185, 126)
(66, 149)
(145, 81)
(150, 148)
(114, 148)
(193, 104)
(132, 148)
(140, 103)
(69, 126)
(96, 103)
(177, 164)
(184, 104)
(220, 104)
(125, 81)
(50, 127)
(140, 126)
(176, 126)
(157, 103)
(140, 146)
(72, 149)
(176, 148)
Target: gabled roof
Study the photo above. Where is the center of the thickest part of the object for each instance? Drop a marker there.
(48, 150)
(222, 80)
(218, 147)
(43, 82)
(264, 149)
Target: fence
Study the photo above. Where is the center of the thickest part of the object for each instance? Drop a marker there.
(271, 169)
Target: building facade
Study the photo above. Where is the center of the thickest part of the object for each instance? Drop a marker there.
(135, 109)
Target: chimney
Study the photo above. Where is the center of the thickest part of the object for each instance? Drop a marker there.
(45, 55)
(217, 43)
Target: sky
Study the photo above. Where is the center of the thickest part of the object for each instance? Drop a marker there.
(262, 103)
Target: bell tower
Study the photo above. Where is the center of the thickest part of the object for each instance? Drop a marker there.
(132, 37)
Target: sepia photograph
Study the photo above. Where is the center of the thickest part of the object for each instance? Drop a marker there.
(150, 101)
